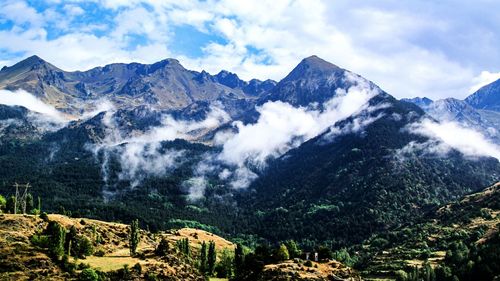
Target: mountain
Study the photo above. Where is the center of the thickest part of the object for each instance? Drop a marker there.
(165, 85)
(422, 102)
(357, 177)
(461, 238)
(486, 122)
(345, 188)
(313, 80)
(488, 97)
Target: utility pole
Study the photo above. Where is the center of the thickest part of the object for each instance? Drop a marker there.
(21, 198)
(25, 197)
(17, 196)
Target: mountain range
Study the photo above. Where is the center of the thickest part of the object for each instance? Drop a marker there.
(322, 156)
(480, 110)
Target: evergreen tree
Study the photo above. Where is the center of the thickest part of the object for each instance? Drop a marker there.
(71, 240)
(239, 258)
(283, 254)
(162, 248)
(293, 249)
(183, 246)
(203, 258)
(134, 237)
(57, 237)
(224, 267)
(212, 258)
(30, 204)
(10, 205)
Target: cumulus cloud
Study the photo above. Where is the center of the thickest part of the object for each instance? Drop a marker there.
(445, 136)
(281, 127)
(484, 79)
(25, 99)
(425, 53)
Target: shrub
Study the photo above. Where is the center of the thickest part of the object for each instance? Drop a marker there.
(40, 240)
(83, 247)
(44, 216)
(151, 276)
(137, 267)
(163, 247)
(99, 253)
(88, 274)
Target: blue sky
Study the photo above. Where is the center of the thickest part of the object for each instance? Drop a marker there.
(410, 48)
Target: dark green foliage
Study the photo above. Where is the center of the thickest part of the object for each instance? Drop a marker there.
(40, 240)
(162, 248)
(343, 190)
(282, 253)
(88, 274)
(224, 268)
(57, 238)
(293, 249)
(10, 205)
(137, 267)
(203, 258)
(150, 276)
(134, 237)
(44, 216)
(344, 257)
(239, 258)
(3, 204)
(183, 246)
(211, 258)
(30, 204)
(83, 247)
(324, 252)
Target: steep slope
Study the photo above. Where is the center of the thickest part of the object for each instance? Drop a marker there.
(165, 85)
(342, 187)
(486, 122)
(461, 238)
(488, 97)
(313, 80)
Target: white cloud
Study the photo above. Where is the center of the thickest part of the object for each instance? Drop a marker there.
(426, 53)
(281, 127)
(23, 98)
(484, 79)
(450, 135)
(141, 154)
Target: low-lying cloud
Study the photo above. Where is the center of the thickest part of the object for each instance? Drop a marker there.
(445, 136)
(25, 99)
(141, 154)
(281, 127)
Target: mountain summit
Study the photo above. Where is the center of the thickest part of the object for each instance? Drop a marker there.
(488, 97)
(312, 80)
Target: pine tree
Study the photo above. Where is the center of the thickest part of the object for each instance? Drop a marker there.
(163, 248)
(293, 249)
(30, 204)
(239, 258)
(203, 258)
(57, 238)
(134, 237)
(11, 205)
(224, 267)
(212, 258)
